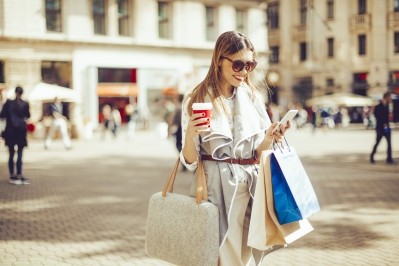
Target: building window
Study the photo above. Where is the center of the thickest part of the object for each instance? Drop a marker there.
(2, 75)
(123, 17)
(53, 15)
(164, 17)
(330, 9)
(303, 10)
(57, 72)
(330, 82)
(330, 47)
(274, 54)
(362, 44)
(99, 16)
(117, 75)
(272, 15)
(303, 51)
(359, 85)
(241, 20)
(303, 89)
(395, 5)
(362, 7)
(396, 42)
(394, 77)
(210, 23)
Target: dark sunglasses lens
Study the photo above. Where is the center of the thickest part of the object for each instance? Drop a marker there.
(238, 66)
(250, 66)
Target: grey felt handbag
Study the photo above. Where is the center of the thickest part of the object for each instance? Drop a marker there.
(183, 230)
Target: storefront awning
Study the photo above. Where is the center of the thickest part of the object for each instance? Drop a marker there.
(170, 91)
(117, 89)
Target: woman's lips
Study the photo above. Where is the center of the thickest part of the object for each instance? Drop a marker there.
(240, 78)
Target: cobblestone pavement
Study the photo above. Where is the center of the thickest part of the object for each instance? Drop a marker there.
(88, 205)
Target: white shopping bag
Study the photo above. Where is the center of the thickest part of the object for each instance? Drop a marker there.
(297, 180)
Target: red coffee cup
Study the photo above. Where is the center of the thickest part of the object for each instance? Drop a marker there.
(205, 109)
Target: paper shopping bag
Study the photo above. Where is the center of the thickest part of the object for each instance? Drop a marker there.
(297, 180)
(264, 229)
(287, 210)
(291, 231)
(262, 233)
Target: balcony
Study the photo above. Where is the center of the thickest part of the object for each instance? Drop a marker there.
(273, 36)
(300, 32)
(393, 19)
(360, 22)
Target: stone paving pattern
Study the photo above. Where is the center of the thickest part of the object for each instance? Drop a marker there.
(88, 206)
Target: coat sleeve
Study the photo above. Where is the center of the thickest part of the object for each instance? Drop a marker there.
(4, 112)
(27, 111)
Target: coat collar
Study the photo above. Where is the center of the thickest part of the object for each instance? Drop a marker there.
(250, 118)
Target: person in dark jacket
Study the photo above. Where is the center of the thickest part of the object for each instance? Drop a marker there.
(381, 113)
(16, 112)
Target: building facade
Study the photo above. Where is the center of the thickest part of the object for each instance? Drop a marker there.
(322, 46)
(121, 51)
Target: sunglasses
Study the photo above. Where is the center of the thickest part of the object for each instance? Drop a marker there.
(239, 65)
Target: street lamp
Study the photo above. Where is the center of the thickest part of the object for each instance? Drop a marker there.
(273, 78)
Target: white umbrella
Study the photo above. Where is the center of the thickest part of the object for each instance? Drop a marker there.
(44, 92)
(48, 92)
(323, 101)
(352, 100)
(341, 99)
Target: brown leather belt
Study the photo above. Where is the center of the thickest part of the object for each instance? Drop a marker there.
(241, 161)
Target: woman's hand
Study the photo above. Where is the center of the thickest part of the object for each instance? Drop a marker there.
(276, 131)
(194, 128)
(272, 135)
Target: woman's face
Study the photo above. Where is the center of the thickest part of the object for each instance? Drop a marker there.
(230, 76)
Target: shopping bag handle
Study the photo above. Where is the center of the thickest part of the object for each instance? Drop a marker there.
(280, 146)
(202, 190)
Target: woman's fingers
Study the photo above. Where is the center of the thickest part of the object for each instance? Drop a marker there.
(196, 116)
(198, 123)
(282, 130)
(289, 124)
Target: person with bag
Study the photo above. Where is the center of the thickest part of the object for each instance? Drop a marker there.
(16, 112)
(229, 143)
(382, 129)
(58, 124)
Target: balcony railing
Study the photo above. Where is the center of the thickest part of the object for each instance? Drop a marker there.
(300, 32)
(274, 35)
(362, 22)
(393, 19)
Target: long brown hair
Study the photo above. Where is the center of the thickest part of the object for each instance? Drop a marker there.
(227, 44)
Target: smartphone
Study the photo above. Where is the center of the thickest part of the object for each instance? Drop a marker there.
(288, 117)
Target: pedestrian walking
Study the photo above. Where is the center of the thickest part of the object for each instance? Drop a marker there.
(16, 112)
(176, 125)
(106, 112)
(58, 124)
(382, 129)
(131, 117)
(238, 132)
(116, 120)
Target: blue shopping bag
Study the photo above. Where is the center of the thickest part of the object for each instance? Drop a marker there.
(297, 180)
(286, 209)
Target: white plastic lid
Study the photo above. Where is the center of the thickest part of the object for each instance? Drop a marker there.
(202, 106)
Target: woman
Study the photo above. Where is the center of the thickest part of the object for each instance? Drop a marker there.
(16, 112)
(240, 130)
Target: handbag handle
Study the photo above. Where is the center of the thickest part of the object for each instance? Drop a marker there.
(202, 190)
